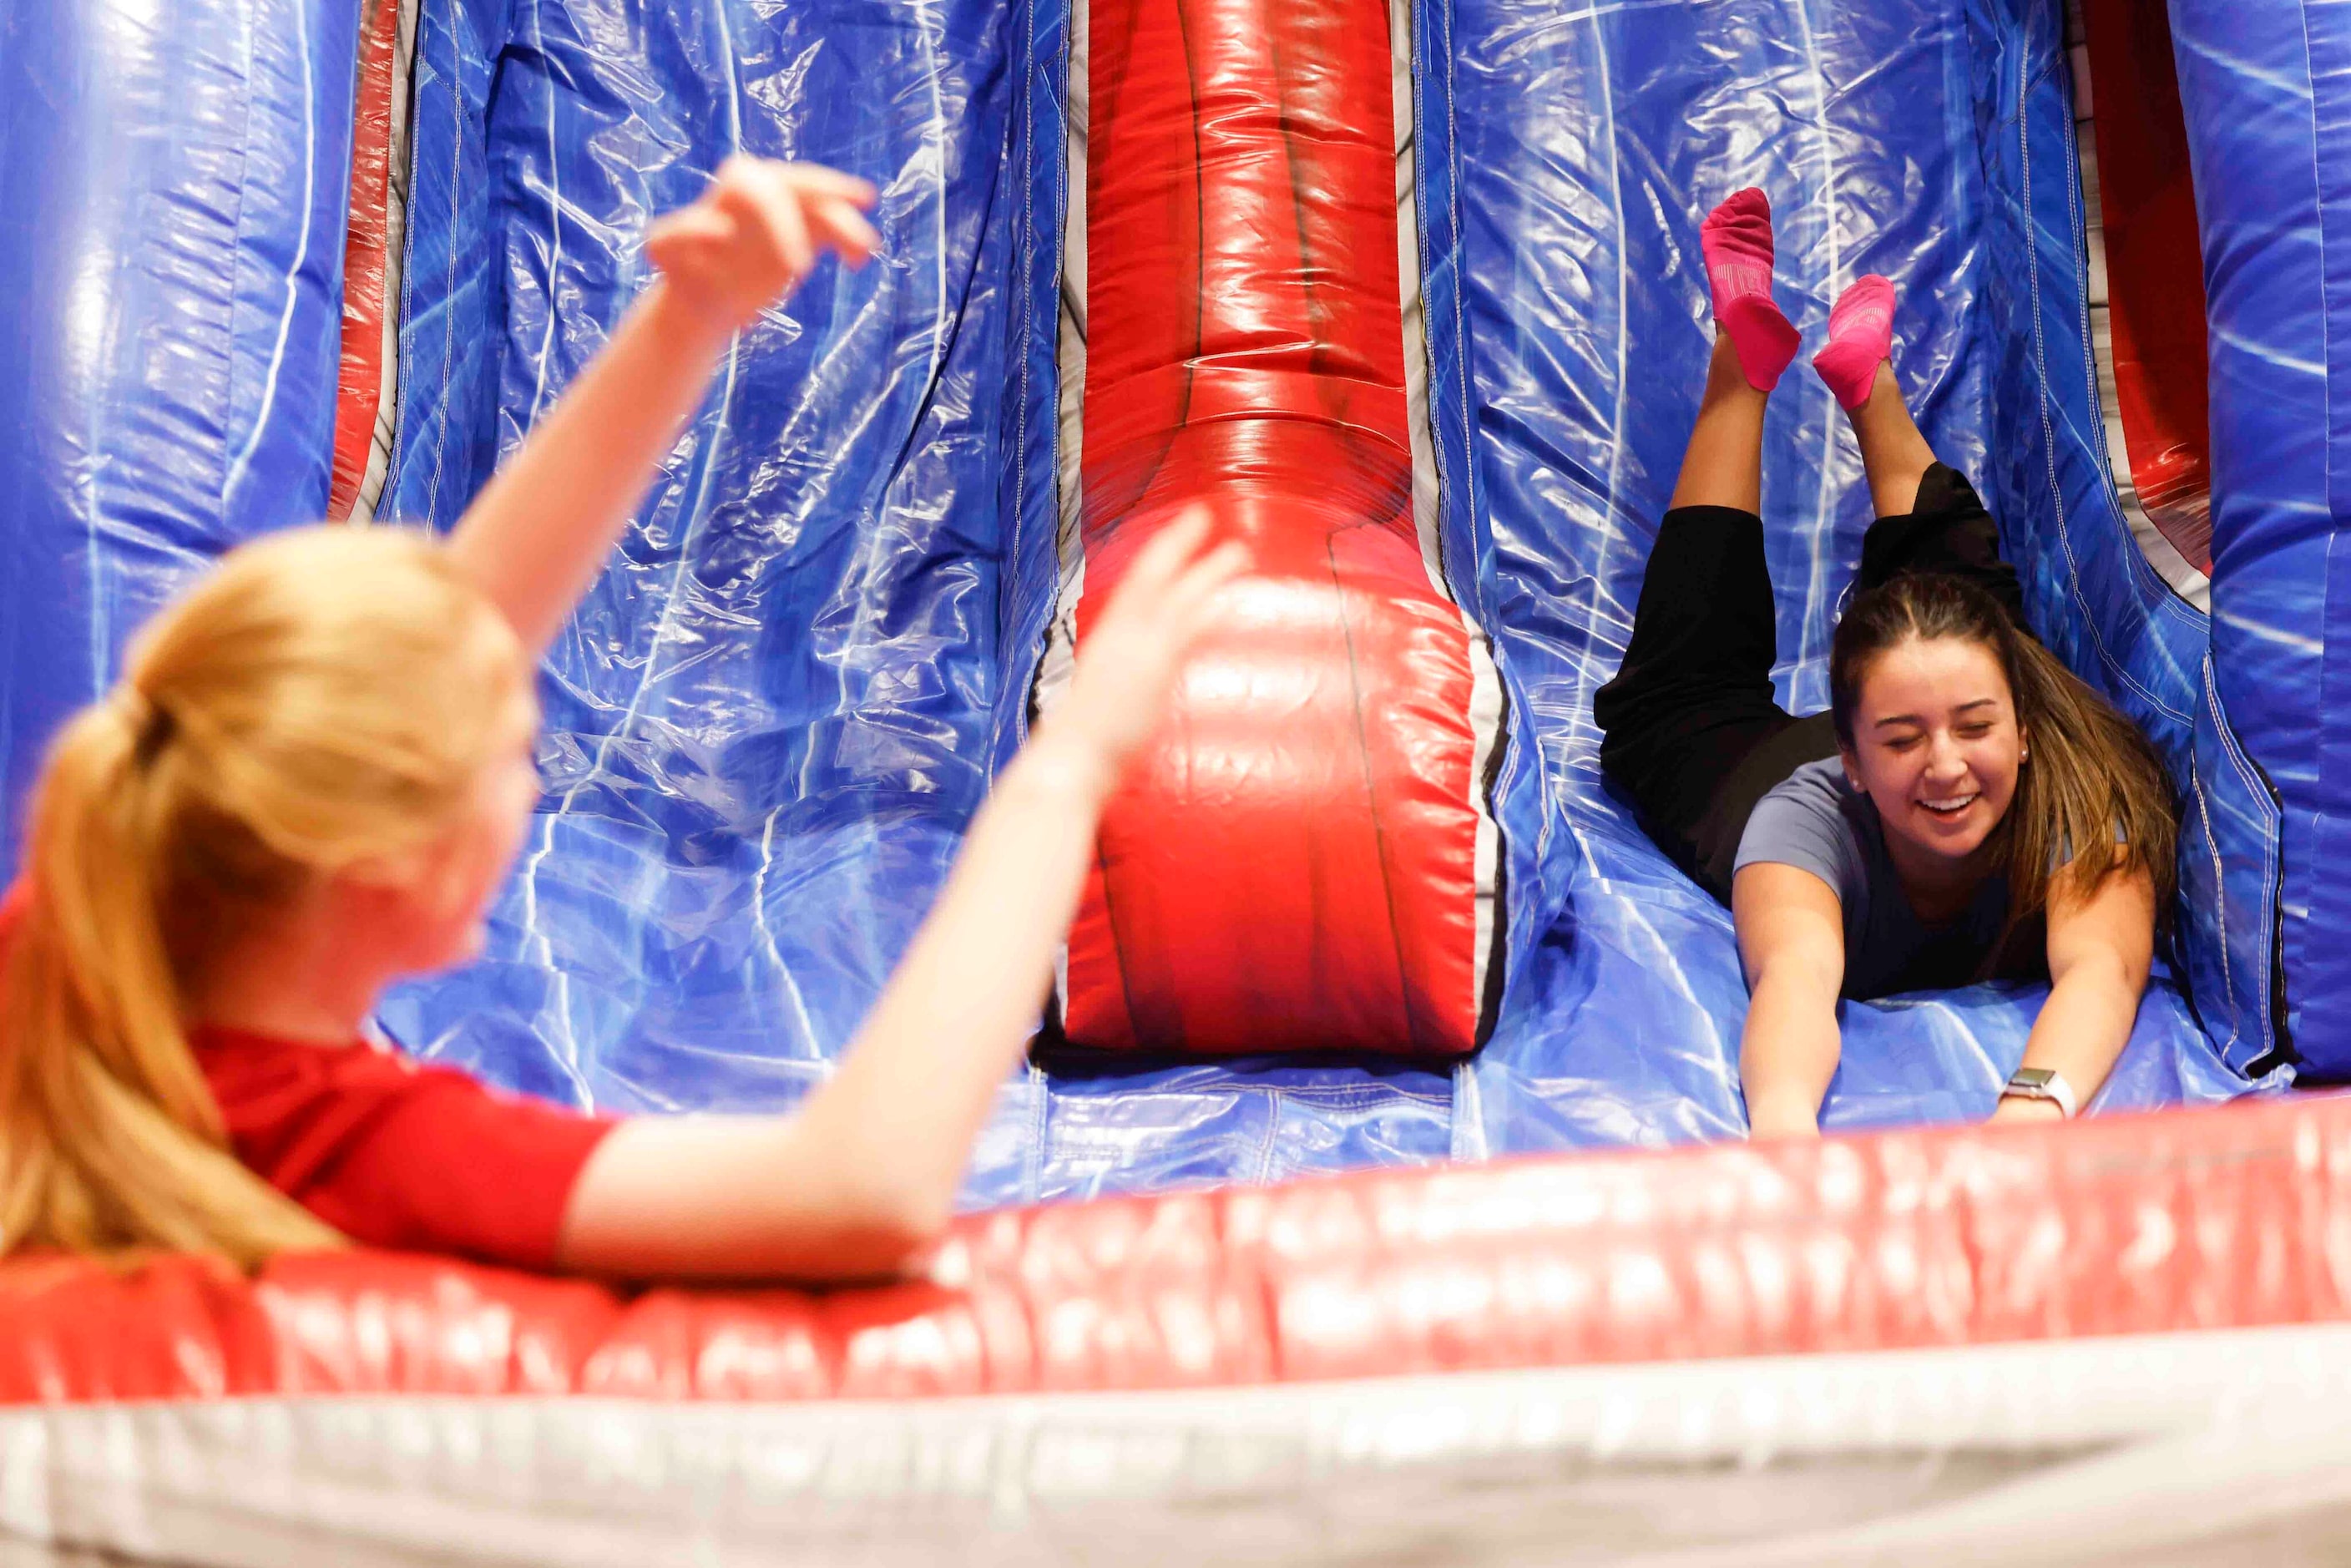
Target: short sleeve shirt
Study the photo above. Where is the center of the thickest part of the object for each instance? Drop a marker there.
(398, 1154)
(1816, 820)
(392, 1153)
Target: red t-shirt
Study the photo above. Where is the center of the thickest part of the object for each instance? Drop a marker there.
(389, 1152)
(395, 1154)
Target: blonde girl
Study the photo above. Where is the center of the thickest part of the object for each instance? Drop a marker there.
(313, 775)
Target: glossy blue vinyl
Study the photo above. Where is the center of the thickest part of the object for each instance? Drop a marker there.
(769, 723)
(731, 855)
(2269, 131)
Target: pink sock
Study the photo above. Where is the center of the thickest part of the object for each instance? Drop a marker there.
(1736, 240)
(1861, 337)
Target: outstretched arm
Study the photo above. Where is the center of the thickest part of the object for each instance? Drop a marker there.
(864, 1177)
(2101, 947)
(540, 531)
(1791, 942)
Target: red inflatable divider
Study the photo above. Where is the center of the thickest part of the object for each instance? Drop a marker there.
(1296, 866)
(2224, 1218)
(2155, 270)
(366, 275)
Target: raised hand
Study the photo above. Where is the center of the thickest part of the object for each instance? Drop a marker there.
(756, 231)
(540, 531)
(864, 1177)
(1126, 667)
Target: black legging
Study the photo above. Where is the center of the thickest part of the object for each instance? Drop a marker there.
(1691, 735)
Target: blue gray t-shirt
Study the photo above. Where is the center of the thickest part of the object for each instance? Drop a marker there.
(1816, 820)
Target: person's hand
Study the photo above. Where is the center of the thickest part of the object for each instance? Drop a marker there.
(1126, 667)
(756, 233)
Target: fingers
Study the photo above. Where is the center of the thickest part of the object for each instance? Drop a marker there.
(758, 231)
(1207, 576)
(687, 226)
(840, 224)
(833, 206)
(807, 205)
(1170, 549)
(676, 242)
(754, 211)
(790, 225)
(1132, 659)
(1189, 600)
(1167, 594)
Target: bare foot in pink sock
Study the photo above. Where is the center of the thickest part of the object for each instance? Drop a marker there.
(1736, 240)
(1861, 337)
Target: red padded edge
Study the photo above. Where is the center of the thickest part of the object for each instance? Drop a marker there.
(1294, 867)
(2189, 1220)
(2155, 270)
(360, 382)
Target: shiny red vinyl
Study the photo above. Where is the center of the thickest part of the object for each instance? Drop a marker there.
(2154, 270)
(1294, 866)
(366, 258)
(2183, 1220)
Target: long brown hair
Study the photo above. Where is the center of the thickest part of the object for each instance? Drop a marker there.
(321, 699)
(2093, 794)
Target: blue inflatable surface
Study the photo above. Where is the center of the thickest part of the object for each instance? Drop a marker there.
(173, 203)
(1564, 159)
(767, 726)
(772, 718)
(770, 721)
(2269, 125)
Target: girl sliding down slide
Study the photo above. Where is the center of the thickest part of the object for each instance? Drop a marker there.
(1965, 808)
(312, 778)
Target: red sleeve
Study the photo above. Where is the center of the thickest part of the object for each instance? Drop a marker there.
(399, 1156)
(12, 909)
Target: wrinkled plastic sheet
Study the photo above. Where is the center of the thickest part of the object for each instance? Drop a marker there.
(773, 717)
(171, 211)
(770, 722)
(2269, 129)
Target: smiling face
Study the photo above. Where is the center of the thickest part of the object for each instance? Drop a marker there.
(1935, 747)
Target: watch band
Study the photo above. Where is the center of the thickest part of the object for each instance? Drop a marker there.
(2042, 1083)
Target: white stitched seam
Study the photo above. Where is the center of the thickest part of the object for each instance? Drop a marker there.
(301, 254)
(449, 290)
(2024, 80)
(554, 218)
(1817, 613)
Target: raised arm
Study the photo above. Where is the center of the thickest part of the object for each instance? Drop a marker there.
(864, 1175)
(540, 531)
(2101, 947)
(1792, 943)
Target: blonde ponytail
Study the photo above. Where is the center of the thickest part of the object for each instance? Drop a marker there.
(323, 696)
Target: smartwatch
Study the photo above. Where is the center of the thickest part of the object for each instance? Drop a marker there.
(2042, 1083)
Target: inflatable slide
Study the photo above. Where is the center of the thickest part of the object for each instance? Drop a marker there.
(1354, 1159)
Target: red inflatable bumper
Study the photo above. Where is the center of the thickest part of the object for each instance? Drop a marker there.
(2144, 1309)
(2226, 1218)
(2154, 270)
(1297, 867)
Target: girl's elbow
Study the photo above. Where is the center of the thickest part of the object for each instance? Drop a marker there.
(1812, 972)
